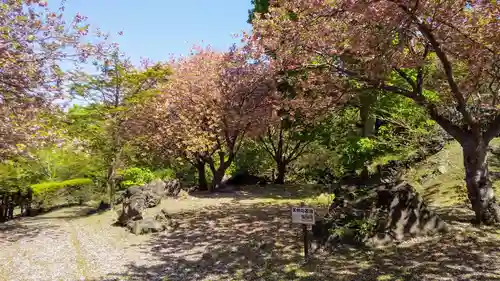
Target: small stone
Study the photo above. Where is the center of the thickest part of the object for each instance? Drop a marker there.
(207, 256)
(266, 245)
(442, 169)
(147, 225)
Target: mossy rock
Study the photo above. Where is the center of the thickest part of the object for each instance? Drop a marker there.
(377, 216)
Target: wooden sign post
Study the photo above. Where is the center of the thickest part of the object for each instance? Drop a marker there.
(304, 216)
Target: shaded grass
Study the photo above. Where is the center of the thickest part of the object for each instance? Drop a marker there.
(311, 195)
(317, 196)
(385, 159)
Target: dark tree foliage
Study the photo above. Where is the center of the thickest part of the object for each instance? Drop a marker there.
(259, 6)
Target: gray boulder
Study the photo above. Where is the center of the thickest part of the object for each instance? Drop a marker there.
(138, 198)
(375, 216)
(163, 216)
(145, 226)
(160, 222)
(166, 220)
(154, 192)
(134, 203)
(173, 187)
(405, 215)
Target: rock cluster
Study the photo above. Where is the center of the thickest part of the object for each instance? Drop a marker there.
(173, 187)
(137, 199)
(376, 216)
(160, 222)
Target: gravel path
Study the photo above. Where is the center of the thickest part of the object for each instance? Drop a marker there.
(39, 256)
(66, 245)
(59, 249)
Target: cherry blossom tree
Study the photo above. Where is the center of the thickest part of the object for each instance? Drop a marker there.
(34, 41)
(211, 102)
(301, 107)
(444, 55)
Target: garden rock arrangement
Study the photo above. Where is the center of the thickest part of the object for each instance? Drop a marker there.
(160, 222)
(139, 198)
(376, 216)
(173, 187)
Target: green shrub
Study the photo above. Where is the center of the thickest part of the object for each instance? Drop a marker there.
(50, 193)
(136, 176)
(165, 174)
(357, 228)
(323, 200)
(254, 159)
(184, 171)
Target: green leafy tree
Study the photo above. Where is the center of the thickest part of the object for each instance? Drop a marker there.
(258, 6)
(285, 143)
(111, 95)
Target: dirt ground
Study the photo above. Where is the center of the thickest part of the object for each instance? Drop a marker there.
(241, 236)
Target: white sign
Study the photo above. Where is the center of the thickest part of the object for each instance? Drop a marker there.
(302, 215)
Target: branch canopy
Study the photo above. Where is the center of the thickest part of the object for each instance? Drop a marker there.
(443, 54)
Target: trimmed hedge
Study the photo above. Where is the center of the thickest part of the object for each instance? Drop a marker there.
(48, 193)
(44, 187)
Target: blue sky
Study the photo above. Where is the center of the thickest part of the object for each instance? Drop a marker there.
(158, 28)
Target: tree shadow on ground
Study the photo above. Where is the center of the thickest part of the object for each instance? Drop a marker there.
(43, 224)
(13, 231)
(258, 242)
(271, 191)
(69, 213)
(457, 214)
(429, 193)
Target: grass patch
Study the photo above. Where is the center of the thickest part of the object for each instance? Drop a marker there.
(440, 178)
(385, 159)
(289, 194)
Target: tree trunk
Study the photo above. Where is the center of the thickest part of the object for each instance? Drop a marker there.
(280, 179)
(365, 114)
(219, 172)
(366, 99)
(23, 207)
(10, 208)
(479, 186)
(110, 185)
(29, 199)
(202, 178)
(217, 179)
(2, 209)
